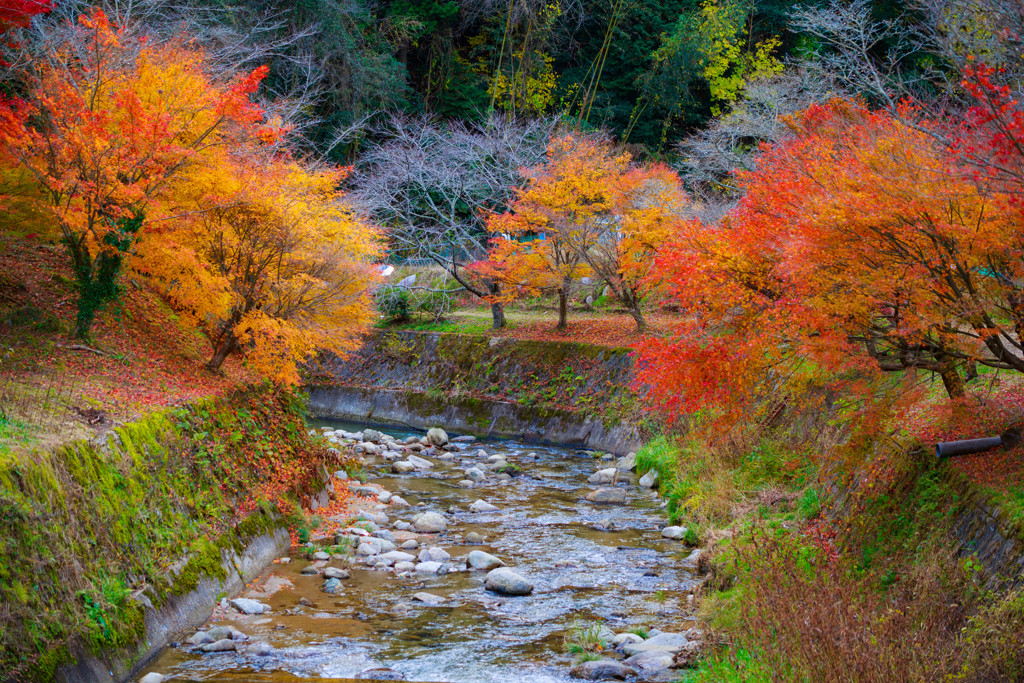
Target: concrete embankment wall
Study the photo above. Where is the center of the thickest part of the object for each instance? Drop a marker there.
(114, 547)
(552, 392)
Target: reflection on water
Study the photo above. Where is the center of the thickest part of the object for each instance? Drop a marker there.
(588, 564)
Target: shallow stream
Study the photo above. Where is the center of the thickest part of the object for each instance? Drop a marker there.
(589, 564)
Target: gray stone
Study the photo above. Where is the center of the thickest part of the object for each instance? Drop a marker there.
(430, 568)
(481, 453)
(466, 438)
(650, 662)
(474, 538)
(372, 435)
(498, 465)
(420, 463)
(335, 573)
(603, 670)
(402, 525)
(475, 473)
(428, 598)
(482, 506)
(400, 609)
(649, 480)
(625, 639)
(248, 606)
(674, 532)
(411, 544)
(430, 523)
(200, 638)
(225, 645)
(669, 643)
(434, 554)
(437, 436)
(153, 678)
(506, 582)
(403, 467)
(478, 559)
(320, 555)
(467, 484)
(398, 501)
(405, 566)
(331, 586)
(397, 556)
(367, 547)
(260, 649)
(607, 496)
(605, 476)
(384, 497)
(626, 463)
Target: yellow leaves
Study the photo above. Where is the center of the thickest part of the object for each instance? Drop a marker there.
(727, 68)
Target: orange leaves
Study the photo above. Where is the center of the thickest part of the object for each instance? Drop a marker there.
(585, 212)
(861, 245)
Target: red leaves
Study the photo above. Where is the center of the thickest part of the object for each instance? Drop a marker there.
(19, 13)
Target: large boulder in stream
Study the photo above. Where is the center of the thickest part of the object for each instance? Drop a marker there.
(430, 523)
(506, 582)
(649, 480)
(437, 436)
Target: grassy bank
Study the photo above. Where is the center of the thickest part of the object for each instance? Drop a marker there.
(88, 527)
(831, 562)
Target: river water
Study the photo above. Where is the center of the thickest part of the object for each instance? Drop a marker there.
(589, 564)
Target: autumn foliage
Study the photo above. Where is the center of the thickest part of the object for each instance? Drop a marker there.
(143, 154)
(862, 244)
(586, 212)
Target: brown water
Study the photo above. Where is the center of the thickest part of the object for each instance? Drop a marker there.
(583, 575)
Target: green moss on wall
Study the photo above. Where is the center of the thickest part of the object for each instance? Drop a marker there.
(85, 526)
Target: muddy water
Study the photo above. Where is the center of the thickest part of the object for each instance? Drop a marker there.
(589, 565)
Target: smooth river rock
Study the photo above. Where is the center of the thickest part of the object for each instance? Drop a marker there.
(649, 480)
(483, 506)
(248, 606)
(606, 476)
(674, 532)
(430, 523)
(437, 436)
(603, 670)
(478, 559)
(607, 496)
(419, 463)
(428, 598)
(506, 582)
(153, 677)
(670, 643)
(626, 463)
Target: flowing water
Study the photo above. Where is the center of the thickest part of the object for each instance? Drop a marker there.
(589, 564)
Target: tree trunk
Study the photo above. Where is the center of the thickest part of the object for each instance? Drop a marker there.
(638, 316)
(498, 315)
(563, 308)
(952, 380)
(225, 348)
(497, 310)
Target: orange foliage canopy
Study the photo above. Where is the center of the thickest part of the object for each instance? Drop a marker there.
(266, 259)
(862, 245)
(584, 212)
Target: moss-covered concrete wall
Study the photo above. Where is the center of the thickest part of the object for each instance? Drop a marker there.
(570, 392)
(96, 538)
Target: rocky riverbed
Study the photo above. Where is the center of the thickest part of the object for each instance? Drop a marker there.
(468, 561)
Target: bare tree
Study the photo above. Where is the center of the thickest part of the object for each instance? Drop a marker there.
(433, 184)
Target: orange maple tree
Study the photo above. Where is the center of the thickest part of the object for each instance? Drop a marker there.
(266, 259)
(107, 124)
(585, 212)
(862, 245)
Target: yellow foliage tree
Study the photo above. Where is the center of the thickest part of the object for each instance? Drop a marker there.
(542, 243)
(267, 260)
(108, 122)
